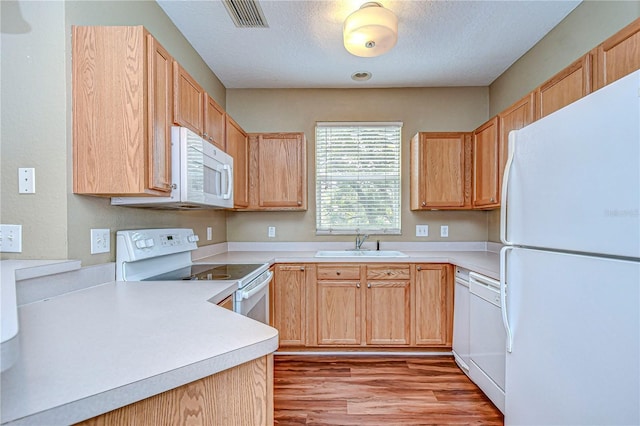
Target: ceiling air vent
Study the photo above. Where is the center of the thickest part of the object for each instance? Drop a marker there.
(246, 13)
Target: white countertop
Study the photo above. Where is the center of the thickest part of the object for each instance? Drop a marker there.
(91, 351)
(483, 262)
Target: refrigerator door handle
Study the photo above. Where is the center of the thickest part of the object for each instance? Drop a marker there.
(503, 296)
(505, 186)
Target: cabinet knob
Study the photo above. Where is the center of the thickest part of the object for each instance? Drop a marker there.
(388, 272)
(210, 138)
(205, 134)
(358, 285)
(368, 285)
(338, 273)
(419, 268)
(492, 200)
(424, 204)
(299, 203)
(302, 268)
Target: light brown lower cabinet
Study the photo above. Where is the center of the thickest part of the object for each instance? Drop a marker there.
(364, 305)
(433, 297)
(289, 302)
(241, 395)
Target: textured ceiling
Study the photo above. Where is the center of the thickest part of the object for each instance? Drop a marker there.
(440, 43)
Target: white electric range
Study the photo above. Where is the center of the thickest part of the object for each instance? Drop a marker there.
(165, 255)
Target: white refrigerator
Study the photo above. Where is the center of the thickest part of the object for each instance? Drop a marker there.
(570, 267)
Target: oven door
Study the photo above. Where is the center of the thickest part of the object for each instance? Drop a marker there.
(252, 300)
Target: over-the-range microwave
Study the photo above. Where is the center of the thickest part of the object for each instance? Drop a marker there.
(202, 176)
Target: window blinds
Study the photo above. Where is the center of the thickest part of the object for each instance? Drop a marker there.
(358, 178)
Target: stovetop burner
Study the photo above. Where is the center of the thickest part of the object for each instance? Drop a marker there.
(207, 272)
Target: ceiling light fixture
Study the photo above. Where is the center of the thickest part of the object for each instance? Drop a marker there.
(370, 31)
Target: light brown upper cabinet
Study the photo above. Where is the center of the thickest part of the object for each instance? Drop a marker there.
(515, 117)
(441, 171)
(214, 122)
(569, 85)
(238, 148)
(486, 166)
(278, 171)
(122, 92)
(188, 100)
(619, 55)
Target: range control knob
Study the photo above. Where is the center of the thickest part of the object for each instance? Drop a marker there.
(141, 244)
(149, 242)
(193, 238)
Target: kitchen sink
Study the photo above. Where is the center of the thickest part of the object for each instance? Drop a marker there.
(360, 253)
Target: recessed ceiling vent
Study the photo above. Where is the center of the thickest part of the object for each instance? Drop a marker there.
(246, 13)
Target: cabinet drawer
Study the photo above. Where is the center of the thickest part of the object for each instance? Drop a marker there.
(388, 272)
(338, 272)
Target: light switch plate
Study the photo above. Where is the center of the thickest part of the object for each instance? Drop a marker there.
(11, 238)
(422, 230)
(100, 241)
(209, 233)
(272, 232)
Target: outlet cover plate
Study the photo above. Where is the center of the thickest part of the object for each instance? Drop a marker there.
(444, 231)
(100, 241)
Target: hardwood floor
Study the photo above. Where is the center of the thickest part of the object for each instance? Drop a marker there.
(377, 390)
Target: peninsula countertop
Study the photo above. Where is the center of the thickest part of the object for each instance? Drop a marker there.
(91, 351)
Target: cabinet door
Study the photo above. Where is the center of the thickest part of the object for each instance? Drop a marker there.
(569, 85)
(388, 312)
(238, 148)
(187, 101)
(282, 171)
(433, 303)
(441, 171)
(515, 117)
(339, 312)
(118, 151)
(160, 97)
(289, 307)
(619, 55)
(214, 122)
(486, 165)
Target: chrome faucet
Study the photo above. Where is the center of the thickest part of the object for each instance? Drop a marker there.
(360, 239)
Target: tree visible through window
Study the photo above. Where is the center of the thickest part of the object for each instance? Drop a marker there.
(358, 178)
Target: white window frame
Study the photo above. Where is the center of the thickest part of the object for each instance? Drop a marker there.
(392, 181)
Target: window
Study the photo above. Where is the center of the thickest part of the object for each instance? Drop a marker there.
(358, 178)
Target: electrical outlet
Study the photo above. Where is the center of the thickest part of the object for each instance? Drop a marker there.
(27, 180)
(444, 231)
(422, 230)
(11, 238)
(100, 241)
(272, 232)
(209, 233)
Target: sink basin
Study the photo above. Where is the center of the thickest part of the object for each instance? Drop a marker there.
(360, 253)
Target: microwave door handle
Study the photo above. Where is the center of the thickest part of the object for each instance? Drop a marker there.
(227, 195)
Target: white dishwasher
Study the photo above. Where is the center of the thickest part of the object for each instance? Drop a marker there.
(487, 338)
(461, 320)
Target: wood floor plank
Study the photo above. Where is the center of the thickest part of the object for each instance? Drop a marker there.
(377, 390)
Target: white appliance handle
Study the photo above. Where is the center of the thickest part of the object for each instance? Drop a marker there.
(227, 195)
(505, 189)
(246, 294)
(503, 296)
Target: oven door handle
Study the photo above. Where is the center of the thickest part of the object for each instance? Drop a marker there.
(246, 294)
